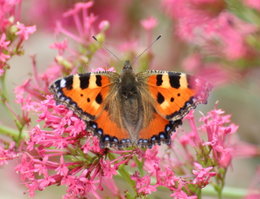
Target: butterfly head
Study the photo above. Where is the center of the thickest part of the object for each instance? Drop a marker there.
(127, 66)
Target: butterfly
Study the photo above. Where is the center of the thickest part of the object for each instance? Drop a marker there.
(130, 109)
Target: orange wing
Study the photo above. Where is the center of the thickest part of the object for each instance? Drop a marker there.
(157, 131)
(109, 132)
(83, 93)
(174, 93)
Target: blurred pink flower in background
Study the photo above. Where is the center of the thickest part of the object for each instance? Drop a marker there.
(83, 21)
(24, 31)
(253, 4)
(8, 9)
(3, 48)
(200, 22)
(213, 73)
(149, 23)
(60, 46)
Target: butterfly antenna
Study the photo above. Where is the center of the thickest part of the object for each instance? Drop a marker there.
(107, 49)
(136, 58)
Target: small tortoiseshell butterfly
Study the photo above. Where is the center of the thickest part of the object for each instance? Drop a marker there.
(130, 109)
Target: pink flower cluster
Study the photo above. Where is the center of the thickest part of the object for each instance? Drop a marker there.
(207, 23)
(253, 4)
(218, 130)
(7, 152)
(12, 32)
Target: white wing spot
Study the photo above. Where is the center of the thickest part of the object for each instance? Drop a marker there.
(62, 83)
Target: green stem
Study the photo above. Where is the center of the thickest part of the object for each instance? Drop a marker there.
(228, 192)
(4, 90)
(4, 130)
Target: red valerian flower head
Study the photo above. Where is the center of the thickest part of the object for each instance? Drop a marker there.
(253, 4)
(7, 152)
(149, 23)
(206, 23)
(218, 129)
(83, 21)
(203, 175)
(24, 31)
(143, 184)
(4, 48)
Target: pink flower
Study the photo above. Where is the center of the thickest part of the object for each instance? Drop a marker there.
(8, 8)
(218, 129)
(4, 49)
(203, 175)
(152, 160)
(194, 16)
(60, 46)
(7, 152)
(253, 4)
(245, 150)
(206, 23)
(108, 169)
(165, 176)
(103, 25)
(179, 194)
(149, 23)
(143, 185)
(78, 7)
(25, 31)
(62, 169)
(214, 72)
(83, 21)
(233, 36)
(3, 43)
(54, 10)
